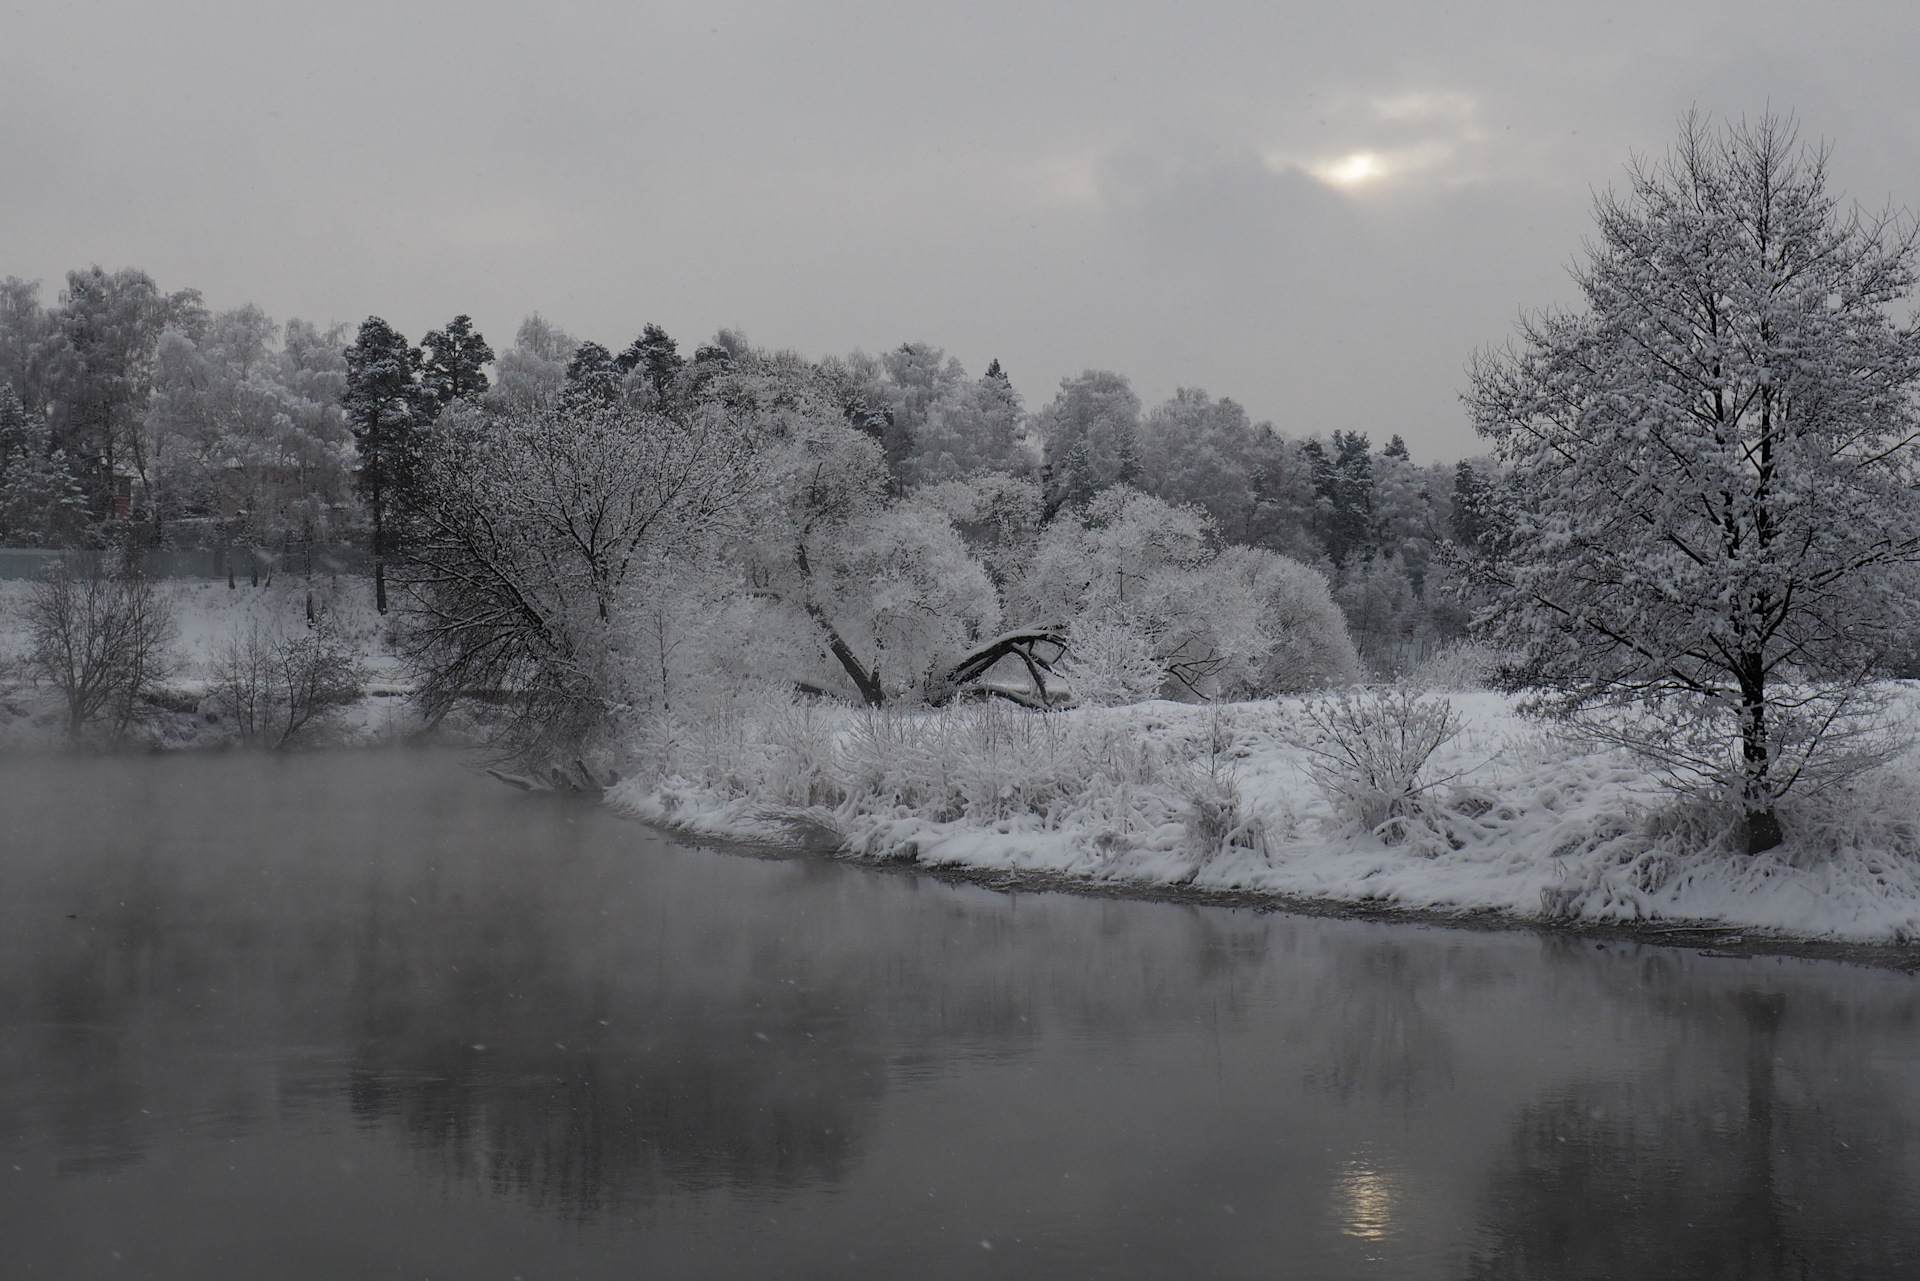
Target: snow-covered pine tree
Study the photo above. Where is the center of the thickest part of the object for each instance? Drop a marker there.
(453, 362)
(1713, 464)
(388, 411)
(657, 356)
(40, 505)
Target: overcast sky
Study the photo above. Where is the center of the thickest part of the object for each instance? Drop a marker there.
(1317, 209)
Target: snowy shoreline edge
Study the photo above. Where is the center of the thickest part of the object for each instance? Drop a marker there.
(1546, 834)
(1705, 938)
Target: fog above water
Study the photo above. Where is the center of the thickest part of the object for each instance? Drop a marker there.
(332, 1015)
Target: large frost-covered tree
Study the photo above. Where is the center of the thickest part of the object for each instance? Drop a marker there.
(1090, 431)
(542, 536)
(248, 431)
(1712, 462)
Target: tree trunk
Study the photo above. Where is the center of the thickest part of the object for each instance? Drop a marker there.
(1756, 797)
(379, 558)
(867, 682)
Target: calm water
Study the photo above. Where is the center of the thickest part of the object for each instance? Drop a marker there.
(368, 1015)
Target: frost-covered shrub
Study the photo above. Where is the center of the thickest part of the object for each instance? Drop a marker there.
(1368, 751)
(1110, 664)
(1461, 666)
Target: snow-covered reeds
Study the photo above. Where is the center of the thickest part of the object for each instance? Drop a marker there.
(1502, 812)
(1091, 777)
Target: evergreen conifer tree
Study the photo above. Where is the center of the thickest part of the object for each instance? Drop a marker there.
(657, 356)
(388, 410)
(453, 362)
(593, 377)
(40, 504)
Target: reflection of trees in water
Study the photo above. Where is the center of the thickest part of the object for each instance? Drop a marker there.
(484, 1041)
(1766, 1154)
(1379, 1013)
(93, 1004)
(748, 1044)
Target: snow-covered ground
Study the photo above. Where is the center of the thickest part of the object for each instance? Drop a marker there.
(1522, 820)
(207, 615)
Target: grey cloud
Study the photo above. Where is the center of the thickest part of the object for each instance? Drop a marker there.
(833, 174)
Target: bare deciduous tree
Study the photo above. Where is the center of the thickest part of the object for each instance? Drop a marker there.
(100, 635)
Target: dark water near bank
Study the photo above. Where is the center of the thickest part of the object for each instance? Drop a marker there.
(367, 1015)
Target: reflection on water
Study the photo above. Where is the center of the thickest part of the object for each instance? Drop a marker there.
(1364, 1202)
(370, 1015)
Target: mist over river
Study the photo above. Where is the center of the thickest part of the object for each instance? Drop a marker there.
(371, 1014)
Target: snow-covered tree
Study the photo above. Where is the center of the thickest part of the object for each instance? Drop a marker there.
(655, 357)
(867, 597)
(997, 514)
(1090, 431)
(25, 330)
(249, 430)
(532, 373)
(972, 427)
(540, 534)
(99, 369)
(454, 361)
(1195, 449)
(1216, 622)
(1295, 638)
(1343, 491)
(40, 505)
(1713, 461)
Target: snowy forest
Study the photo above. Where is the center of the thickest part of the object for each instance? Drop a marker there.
(850, 524)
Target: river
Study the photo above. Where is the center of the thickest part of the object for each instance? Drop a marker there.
(369, 1014)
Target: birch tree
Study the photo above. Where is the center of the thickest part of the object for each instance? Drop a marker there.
(1712, 465)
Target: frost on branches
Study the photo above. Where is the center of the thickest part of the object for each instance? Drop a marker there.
(1713, 466)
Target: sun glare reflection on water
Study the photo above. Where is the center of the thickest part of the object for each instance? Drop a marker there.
(1364, 1202)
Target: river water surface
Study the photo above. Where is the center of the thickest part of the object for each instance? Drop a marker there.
(372, 1015)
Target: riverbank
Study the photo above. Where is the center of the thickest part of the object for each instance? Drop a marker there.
(1521, 824)
(208, 616)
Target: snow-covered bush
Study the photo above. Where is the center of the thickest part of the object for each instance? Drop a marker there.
(1368, 752)
(1110, 664)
